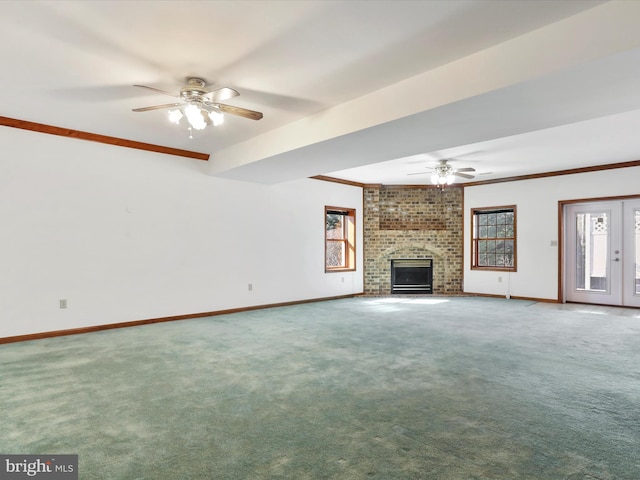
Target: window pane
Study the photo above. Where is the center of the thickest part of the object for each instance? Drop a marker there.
(334, 226)
(335, 234)
(482, 232)
(334, 220)
(335, 254)
(592, 251)
(508, 246)
(482, 246)
(491, 232)
(509, 231)
(492, 218)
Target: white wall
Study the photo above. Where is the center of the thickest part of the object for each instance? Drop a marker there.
(537, 226)
(128, 235)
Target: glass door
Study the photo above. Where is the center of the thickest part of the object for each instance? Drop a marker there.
(602, 253)
(631, 282)
(593, 274)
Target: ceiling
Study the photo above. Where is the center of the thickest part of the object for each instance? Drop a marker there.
(371, 92)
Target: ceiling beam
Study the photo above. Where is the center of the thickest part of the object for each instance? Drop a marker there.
(428, 112)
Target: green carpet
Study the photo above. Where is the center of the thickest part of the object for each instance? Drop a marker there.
(366, 388)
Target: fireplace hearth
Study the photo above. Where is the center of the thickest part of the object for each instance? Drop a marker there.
(412, 276)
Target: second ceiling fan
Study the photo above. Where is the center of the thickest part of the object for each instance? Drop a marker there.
(444, 174)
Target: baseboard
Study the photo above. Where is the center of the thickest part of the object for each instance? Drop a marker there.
(513, 297)
(137, 323)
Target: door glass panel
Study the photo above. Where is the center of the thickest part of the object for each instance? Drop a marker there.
(592, 251)
(636, 250)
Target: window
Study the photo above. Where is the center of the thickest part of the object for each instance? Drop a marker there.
(340, 239)
(493, 244)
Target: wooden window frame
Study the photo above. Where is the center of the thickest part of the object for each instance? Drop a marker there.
(348, 239)
(475, 212)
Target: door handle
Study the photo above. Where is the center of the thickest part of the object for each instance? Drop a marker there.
(616, 259)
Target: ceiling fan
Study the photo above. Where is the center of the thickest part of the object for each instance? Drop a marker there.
(444, 174)
(200, 105)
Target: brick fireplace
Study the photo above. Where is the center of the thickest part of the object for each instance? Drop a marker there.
(413, 222)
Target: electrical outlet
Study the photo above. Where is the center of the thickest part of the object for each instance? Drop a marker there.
(342, 279)
(499, 279)
(63, 303)
(251, 287)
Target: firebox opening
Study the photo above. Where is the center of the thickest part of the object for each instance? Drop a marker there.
(412, 276)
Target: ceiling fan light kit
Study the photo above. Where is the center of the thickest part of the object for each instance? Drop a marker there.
(440, 179)
(201, 106)
(443, 174)
(197, 117)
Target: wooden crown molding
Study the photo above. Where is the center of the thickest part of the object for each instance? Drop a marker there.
(421, 187)
(94, 137)
(556, 173)
(337, 180)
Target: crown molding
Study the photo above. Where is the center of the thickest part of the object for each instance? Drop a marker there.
(94, 137)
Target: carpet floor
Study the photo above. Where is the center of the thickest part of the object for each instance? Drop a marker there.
(363, 388)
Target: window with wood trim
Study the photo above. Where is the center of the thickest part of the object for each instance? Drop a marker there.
(493, 242)
(339, 239)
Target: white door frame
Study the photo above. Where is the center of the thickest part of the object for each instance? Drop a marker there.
(625, 269)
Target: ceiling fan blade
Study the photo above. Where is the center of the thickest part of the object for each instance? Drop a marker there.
(159, 91)
(463, 175)
(156, 107)
(221, 94)
(241, 112)
(466, 169)
(418, 173)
